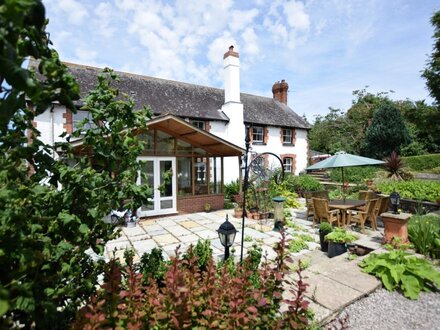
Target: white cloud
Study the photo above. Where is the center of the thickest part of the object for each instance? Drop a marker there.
(75, 11)
(241, 19)
(104, 14)
(296, 16)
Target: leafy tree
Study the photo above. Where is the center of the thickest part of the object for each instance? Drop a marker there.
(51, 212)
(386, 133)
(329, 133)
(432, 71)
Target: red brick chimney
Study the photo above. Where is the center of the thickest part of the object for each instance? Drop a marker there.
(279, 90)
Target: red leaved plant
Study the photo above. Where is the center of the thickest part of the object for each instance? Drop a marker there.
(191, 298)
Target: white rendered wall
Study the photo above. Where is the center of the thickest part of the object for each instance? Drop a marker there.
(231, 72)
(50, 124)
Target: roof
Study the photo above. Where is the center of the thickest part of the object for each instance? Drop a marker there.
(188, 100)
(185, 131)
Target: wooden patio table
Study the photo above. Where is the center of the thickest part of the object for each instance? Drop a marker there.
(344, 205)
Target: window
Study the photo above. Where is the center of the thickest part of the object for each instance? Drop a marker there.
(80, 116)
(257, 134)
(287, 162)
(198, 123)
(287, 136)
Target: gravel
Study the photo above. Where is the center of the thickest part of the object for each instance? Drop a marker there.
(391, 310)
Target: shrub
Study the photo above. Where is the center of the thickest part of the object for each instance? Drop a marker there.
(191, 298)
(394, 166)
(152, 265)
(282, 189)
(424, 234)
(399, 270)
(297, 244)
(423, 162)
(231, 189)
(325, 227)
(339, 235)
(202, 252)
(357, 174)
(415, 189)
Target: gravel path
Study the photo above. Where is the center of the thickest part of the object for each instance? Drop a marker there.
(391, 310)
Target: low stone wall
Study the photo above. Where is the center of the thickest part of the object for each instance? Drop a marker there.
(415, 206)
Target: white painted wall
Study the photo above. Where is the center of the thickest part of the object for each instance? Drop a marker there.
(50, 124)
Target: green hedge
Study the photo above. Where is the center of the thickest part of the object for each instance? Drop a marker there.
(357, 174)
(415, 189)
(423, 162)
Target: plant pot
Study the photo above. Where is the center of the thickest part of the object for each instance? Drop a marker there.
(324, 243)
(256, 216)
(336, 249)
(130, 224)
(238, 214)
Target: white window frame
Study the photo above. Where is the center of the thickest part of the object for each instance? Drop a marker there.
(288, 164)
(200, 124)
(254, 134)
(287, 136)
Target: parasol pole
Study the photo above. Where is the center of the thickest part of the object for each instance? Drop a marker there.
(343, 184)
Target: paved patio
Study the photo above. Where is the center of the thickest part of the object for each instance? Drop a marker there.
(333, 283)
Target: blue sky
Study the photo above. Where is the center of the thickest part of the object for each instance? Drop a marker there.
(325, 49)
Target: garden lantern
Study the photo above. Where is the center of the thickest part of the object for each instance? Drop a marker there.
(278, 213)
(395, 201)
(226, 234)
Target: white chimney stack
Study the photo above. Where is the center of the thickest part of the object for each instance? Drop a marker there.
(231, 64)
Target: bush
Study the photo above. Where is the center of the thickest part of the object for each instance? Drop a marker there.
(191, 298)
(153, 265)
(302, 183)
(357, 174)
(231, 189)
(399, 270)
(415, 189)
(423, 162)
(424, 234)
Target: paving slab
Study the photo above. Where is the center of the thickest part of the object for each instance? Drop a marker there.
(191, 238)
(152, 227)
(188, 224)
(349, 274)
(147, 222)
(165, 239)
(199, 228)
(178, 231)
(118, 245)
(207, 234)
(139, 237)
(255, 234)
(165, 222)
(144, 246)
(329, 293)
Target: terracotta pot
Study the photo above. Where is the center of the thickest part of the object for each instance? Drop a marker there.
(238, 214)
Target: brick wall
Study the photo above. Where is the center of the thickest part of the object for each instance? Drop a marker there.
(191, 204)
(68, 124)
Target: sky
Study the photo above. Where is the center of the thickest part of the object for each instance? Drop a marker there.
(324, 49)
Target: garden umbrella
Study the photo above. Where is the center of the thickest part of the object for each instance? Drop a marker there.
(342, 159)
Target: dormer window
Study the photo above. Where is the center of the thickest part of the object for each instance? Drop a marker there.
(257, 134)
(198, 123)
(287, 136)
(80, 116)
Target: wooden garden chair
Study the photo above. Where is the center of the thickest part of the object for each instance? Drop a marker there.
(309, 204)
(368, 213)
(323, 212)
(366, 195)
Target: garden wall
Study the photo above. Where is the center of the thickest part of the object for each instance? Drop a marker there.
(415, 206)
(191, 204)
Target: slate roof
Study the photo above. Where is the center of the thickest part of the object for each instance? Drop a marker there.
(188, 100)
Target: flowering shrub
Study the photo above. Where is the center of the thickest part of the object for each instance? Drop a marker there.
(191, 298)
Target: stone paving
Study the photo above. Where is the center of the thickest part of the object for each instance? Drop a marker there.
(333, 283)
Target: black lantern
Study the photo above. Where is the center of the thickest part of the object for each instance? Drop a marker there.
(395, 201)
(226, 234)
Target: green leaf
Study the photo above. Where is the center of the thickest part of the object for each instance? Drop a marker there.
(84, 229)
(410, 286)
(4, 307)
(388, 281)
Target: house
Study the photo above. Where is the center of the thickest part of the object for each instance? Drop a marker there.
(197, 133)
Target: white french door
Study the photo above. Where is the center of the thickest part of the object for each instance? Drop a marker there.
(161, 176)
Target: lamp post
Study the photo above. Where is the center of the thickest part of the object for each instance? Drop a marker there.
(226, 234)
(395, 201)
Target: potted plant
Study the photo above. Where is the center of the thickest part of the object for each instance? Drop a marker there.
(337, 241)
(207, 207)
(238, 211)
(324, 229)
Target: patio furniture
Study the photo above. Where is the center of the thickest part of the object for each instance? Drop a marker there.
(309, 203)
(322, 211)
(362, 216)
(366, 194)
(344, 205)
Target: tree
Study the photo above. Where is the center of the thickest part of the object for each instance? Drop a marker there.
(432, 70)
(52, 200)
(386, 133)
